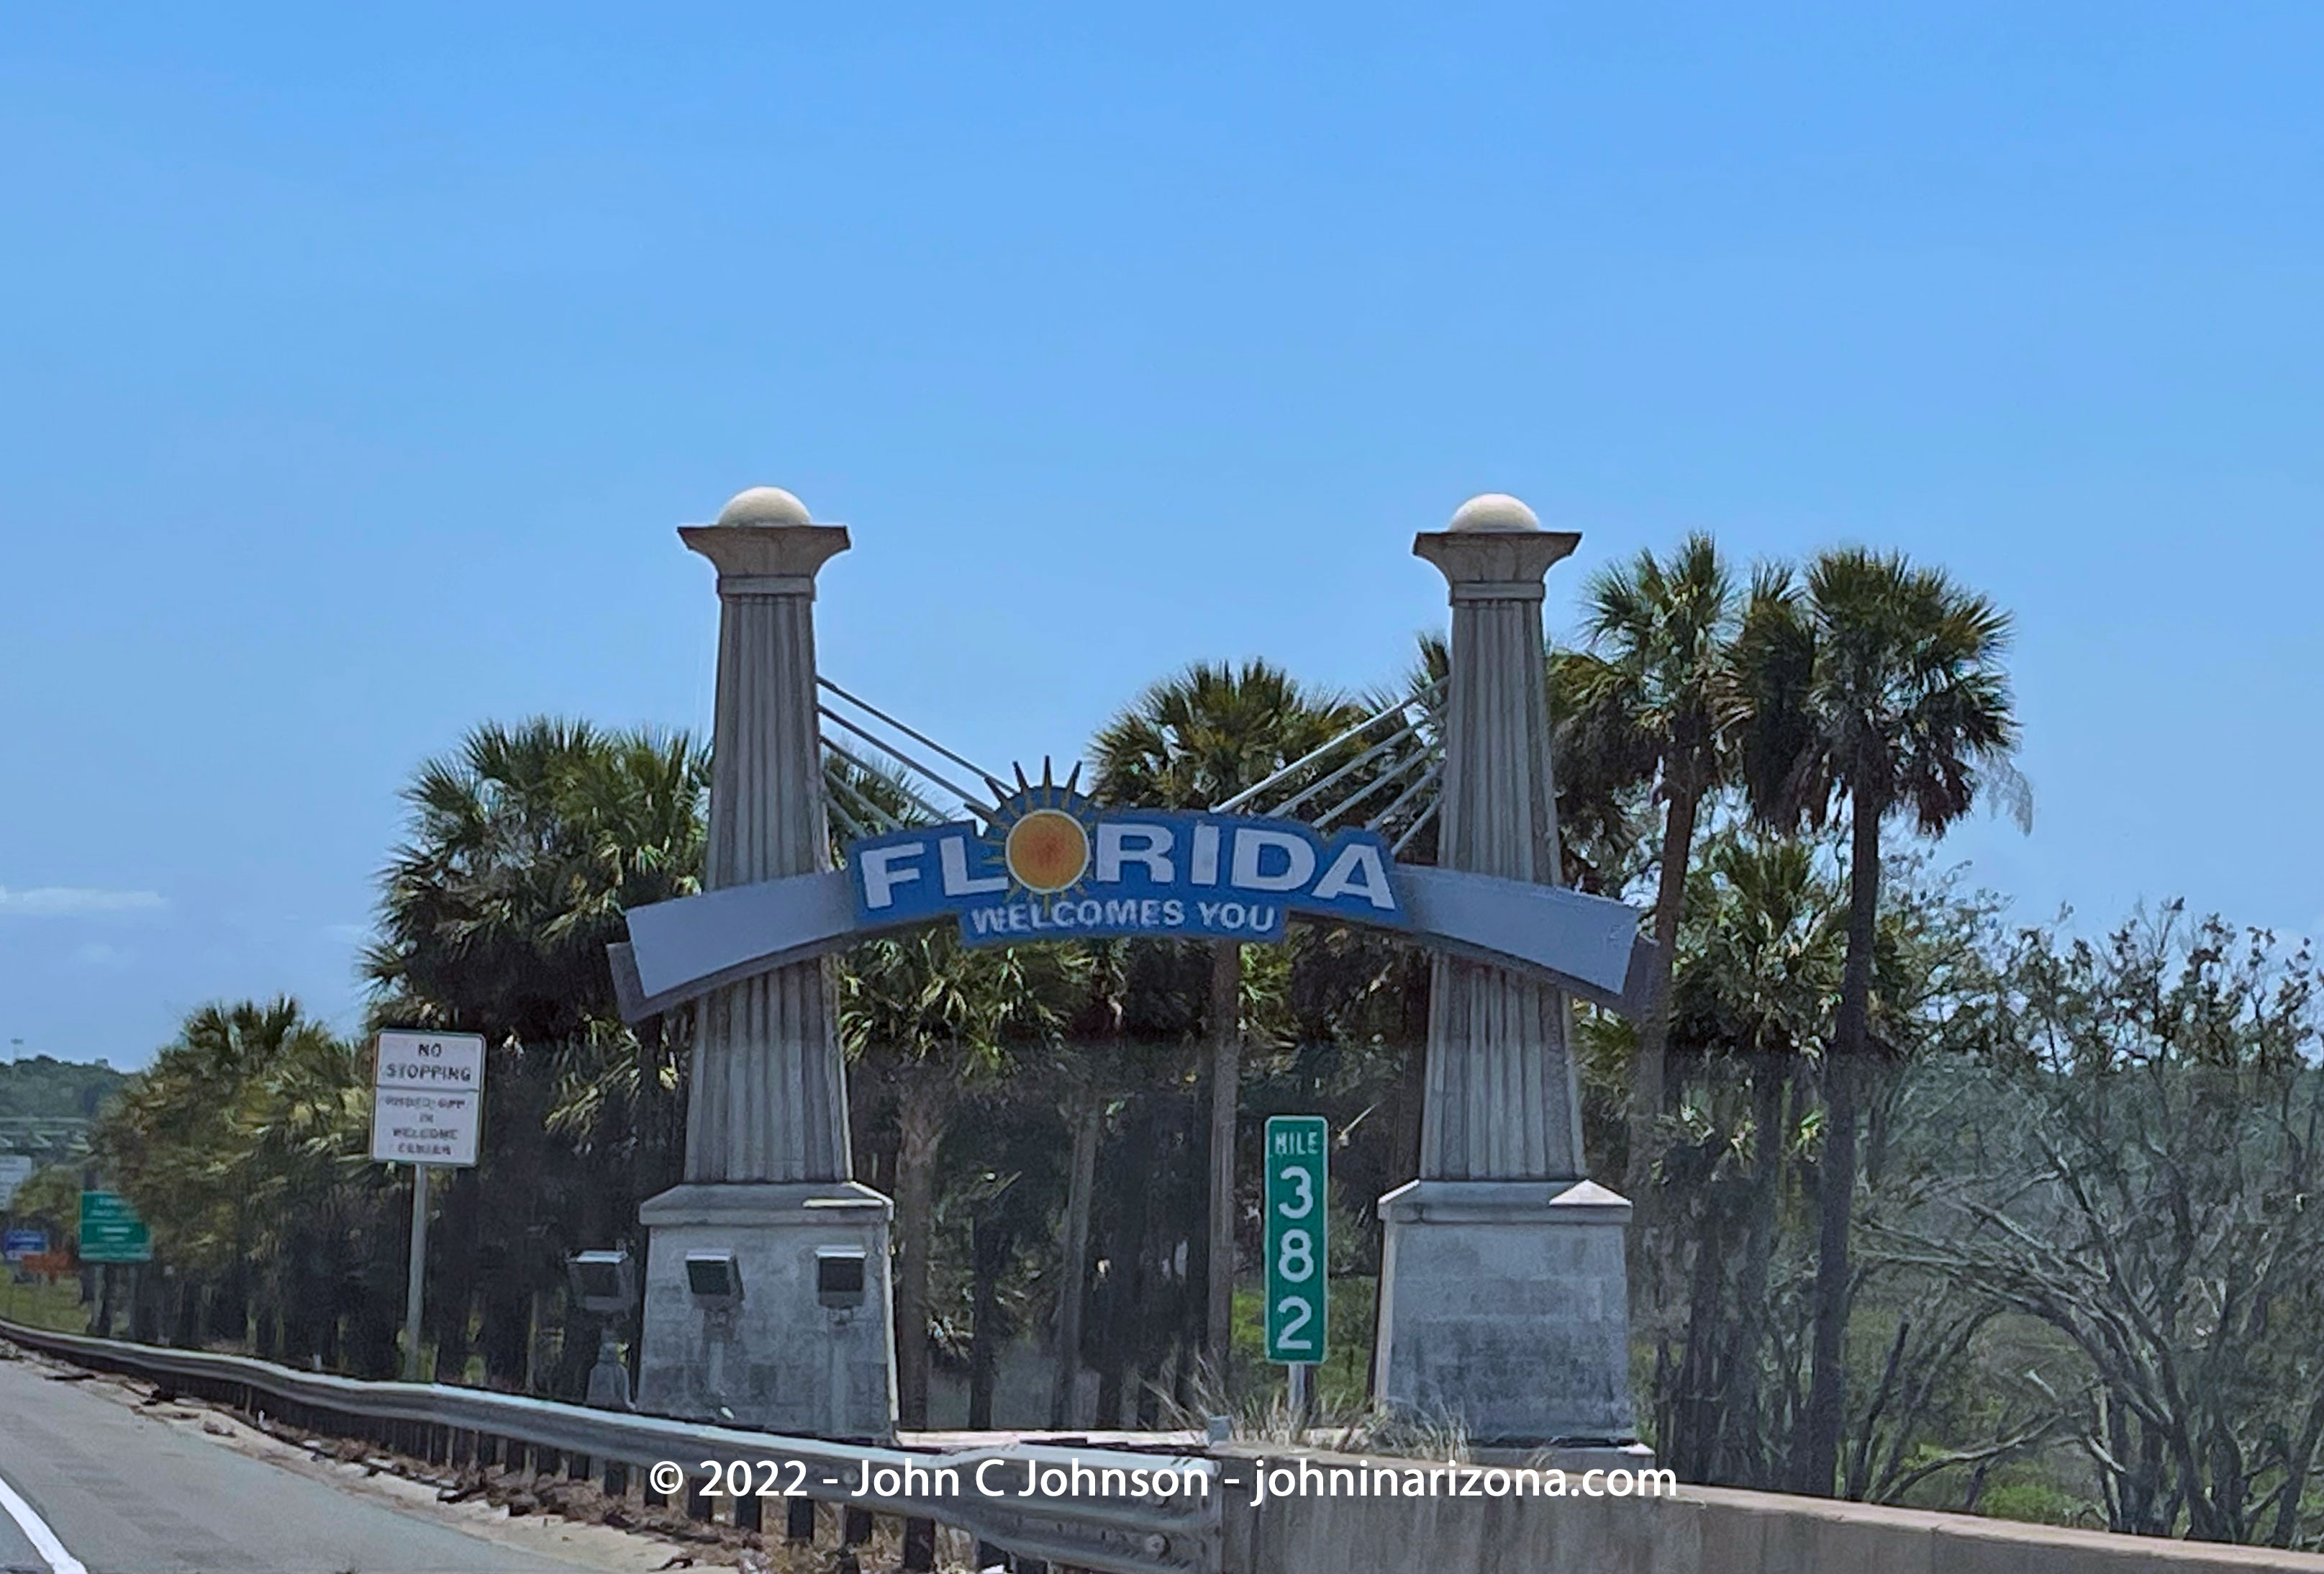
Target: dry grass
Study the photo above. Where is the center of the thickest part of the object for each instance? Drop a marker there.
(1342, 1426)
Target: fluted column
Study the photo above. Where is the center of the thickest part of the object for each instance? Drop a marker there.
(768, 1100)
(1502, 1102)
(1502, 1300)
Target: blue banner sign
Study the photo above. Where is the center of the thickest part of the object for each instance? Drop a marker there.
(1053, 866)
(21, 1241)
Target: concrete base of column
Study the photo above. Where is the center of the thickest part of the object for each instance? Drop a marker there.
(800, 1352)
(1504, 1306)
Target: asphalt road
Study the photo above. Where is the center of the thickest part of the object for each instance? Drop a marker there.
(129, 1490)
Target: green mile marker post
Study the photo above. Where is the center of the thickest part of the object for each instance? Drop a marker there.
(1298, 1290)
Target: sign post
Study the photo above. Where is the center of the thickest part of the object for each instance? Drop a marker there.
(416, 1274)
(1297, 1149)
(428, 1093)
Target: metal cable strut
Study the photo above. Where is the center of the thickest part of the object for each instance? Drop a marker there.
(967, 797)
(999, 788)
(1385, 778)
(1304, 793)
(1434, 775)
(869, 769)
(1422, 697)
(881, 816)
(1427, 813)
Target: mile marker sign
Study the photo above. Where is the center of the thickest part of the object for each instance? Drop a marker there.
(428, 1098)
(1297, 1295)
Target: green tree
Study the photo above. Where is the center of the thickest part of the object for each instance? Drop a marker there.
(938, 1019)
(526, 846)
(1878, 686)
(244, 1147)
(1191, 742)
(1759, 964)
(1655, 693)
(2141, 1178)
(39, 1085)
(47, 1107)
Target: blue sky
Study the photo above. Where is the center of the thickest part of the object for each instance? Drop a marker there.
(357, 365)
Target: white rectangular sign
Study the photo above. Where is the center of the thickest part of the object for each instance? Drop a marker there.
(16, 1168)
(428, 1098)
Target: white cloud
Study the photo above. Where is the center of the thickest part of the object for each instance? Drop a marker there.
(97, 954)
(76, 902)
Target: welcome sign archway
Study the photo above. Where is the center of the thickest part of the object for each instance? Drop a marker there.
(1503, 1300)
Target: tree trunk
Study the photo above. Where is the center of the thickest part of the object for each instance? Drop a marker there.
(1226, 1084)
(186, 1313)
(1124, 1296)
(920, 1120)
(452, 1274)
(1412, 1080)
(1695, 1415)
(989, 1245)
(144, 1323)
(507, 1243)
(657, 1152)
(1654, 1030)
(1826, 1417)
(1745, 1434)
(1088, 1113)
(229, 1310)
(504, 1333)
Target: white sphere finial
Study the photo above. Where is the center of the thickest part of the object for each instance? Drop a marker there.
(1494, 511)
(763, 505)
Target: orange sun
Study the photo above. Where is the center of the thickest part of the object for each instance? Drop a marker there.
(1047, 850)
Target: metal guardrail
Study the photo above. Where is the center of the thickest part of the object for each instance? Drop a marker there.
(1178, 1533)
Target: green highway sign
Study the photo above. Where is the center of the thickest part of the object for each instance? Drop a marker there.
(1297, 1293)
(111, 1231)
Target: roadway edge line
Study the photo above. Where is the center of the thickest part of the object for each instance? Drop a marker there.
(37, 1531)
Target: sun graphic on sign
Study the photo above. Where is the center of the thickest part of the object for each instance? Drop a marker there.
(1042, 833)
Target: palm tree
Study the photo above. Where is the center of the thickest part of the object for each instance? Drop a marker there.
(1655, 691)
(1876, 685)
(242, 1146)
(526, 846)
(1761, 959)
(1190, 742)
(636, 801)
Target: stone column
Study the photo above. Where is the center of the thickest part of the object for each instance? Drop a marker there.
(1501, 1101)
(769, 1101)
(807, 1346)
(1503, 1300)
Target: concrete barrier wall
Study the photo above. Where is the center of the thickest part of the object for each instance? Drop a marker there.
(1703, 1531)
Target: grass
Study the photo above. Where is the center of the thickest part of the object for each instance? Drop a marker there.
(1341, 1378)
(1341, 1415)
(56, 1307)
